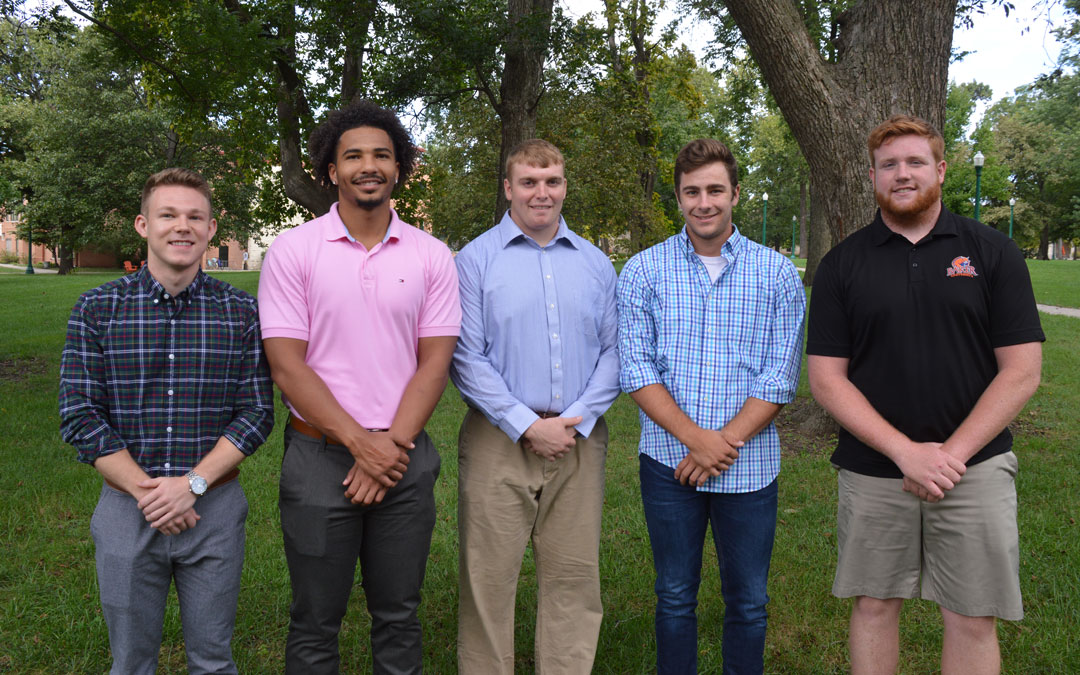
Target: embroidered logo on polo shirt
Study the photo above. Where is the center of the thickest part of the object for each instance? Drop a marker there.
(961, 267)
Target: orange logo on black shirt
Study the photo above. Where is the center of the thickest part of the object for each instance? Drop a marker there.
(961, 267)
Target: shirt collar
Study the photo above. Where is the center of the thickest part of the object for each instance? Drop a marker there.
(509, 231)
(334, 227)
(880, 232)
(153, 289)
(730, 250)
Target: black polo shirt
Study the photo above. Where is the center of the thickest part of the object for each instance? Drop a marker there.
(919, 323)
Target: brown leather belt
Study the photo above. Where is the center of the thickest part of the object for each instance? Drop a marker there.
(547, 414)
(231, 476)
(306, 429)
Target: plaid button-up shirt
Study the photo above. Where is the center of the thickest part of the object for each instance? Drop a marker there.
(712, 344)
(164, 377)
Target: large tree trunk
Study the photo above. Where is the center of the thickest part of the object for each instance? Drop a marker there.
(892, 57)
(522, 80)
(802, 218)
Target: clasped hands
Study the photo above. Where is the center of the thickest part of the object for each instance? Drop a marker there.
(377, 468)
(711, 452)
(169, 506)
(930, 471)
(552, 437)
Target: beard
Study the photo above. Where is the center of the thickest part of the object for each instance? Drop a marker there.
(909, 213)
(370, 203)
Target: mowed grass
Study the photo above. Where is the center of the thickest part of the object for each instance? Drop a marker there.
(1056, 282)
(50, 620)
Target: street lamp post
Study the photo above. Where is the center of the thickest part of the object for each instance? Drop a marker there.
(29, 250)
(979, 160)
(794, 219)
(1012, 208)
(764, 218)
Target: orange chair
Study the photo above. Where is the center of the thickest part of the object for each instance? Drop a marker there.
(129, 268)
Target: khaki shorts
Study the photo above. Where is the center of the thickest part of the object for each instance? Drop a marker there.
(965, 547)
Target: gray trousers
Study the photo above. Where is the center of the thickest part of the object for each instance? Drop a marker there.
(136, 563)
(325, 535)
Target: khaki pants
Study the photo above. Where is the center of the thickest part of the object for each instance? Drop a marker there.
(507, 495)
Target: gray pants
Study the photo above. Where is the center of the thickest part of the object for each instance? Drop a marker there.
(325, 535)
(136, 563)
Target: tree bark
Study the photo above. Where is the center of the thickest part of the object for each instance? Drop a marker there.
(802, 218)
(892, 57)
(522, 80)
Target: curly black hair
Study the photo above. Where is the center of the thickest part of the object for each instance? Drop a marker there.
(324, 140)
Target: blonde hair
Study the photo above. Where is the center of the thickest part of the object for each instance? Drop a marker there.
(534, 152)
(175, 176)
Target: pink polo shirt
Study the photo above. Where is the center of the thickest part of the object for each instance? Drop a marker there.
(361, 312)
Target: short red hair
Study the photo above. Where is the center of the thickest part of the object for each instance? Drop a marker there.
(906, 125)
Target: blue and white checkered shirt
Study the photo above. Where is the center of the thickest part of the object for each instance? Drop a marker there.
(712, 345)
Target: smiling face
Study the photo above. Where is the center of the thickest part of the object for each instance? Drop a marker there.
(364, 168)
(536, 196)
(177, 227)
(907, 179)
(707, 198)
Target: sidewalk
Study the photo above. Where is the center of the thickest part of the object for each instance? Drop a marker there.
(1063, 311)
(37, 270)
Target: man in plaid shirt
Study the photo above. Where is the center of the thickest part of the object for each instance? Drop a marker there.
(164, 390)
(710, 340)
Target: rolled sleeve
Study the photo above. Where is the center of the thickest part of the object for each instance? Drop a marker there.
(637, 329)
(254, 403)
(780, 376)
(84, 418)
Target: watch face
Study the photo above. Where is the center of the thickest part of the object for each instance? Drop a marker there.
(198, 484)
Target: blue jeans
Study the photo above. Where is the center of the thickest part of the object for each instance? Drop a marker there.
(743, 526)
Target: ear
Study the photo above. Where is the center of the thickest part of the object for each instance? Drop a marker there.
(506, 189)
(735, 196)
(212, 231)
(332, 170)
(871, 174)
(140, 225)
(941, 172)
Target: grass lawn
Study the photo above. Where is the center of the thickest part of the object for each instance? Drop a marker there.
(1056, 282)
(50, 620)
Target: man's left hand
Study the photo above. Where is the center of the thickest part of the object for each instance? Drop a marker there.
(361, 488)
(168, 499)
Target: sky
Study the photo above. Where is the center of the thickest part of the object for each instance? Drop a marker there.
(1006, 51)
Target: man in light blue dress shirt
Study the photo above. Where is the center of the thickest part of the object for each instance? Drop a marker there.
(537, 364)
(710, 341)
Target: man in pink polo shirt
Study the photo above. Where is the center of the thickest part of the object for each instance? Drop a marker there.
(360, 316)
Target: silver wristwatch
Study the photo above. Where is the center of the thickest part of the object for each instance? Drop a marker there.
(196, 483)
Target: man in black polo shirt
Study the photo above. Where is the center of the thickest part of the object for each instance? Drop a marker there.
(924, 344)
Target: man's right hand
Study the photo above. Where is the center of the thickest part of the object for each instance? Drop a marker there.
(551, 438)
(931, 468)
(361, 488)
(711, 453)
(381, 458)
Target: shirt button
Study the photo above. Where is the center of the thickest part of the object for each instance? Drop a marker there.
(548, 276)
(165, 295)
(169, 429)
(558, 395)
(155, 301)
(170, 357)
(914, 264)
(167, 465)
(552, 305)
(172, 321)
(170, 392)
(554, 336)
(556, 366)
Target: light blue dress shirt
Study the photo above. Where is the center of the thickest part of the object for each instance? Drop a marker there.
(712, 344)
(538, 328)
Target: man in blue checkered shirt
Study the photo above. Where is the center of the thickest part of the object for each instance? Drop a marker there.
(710, 341)
(164, 390)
